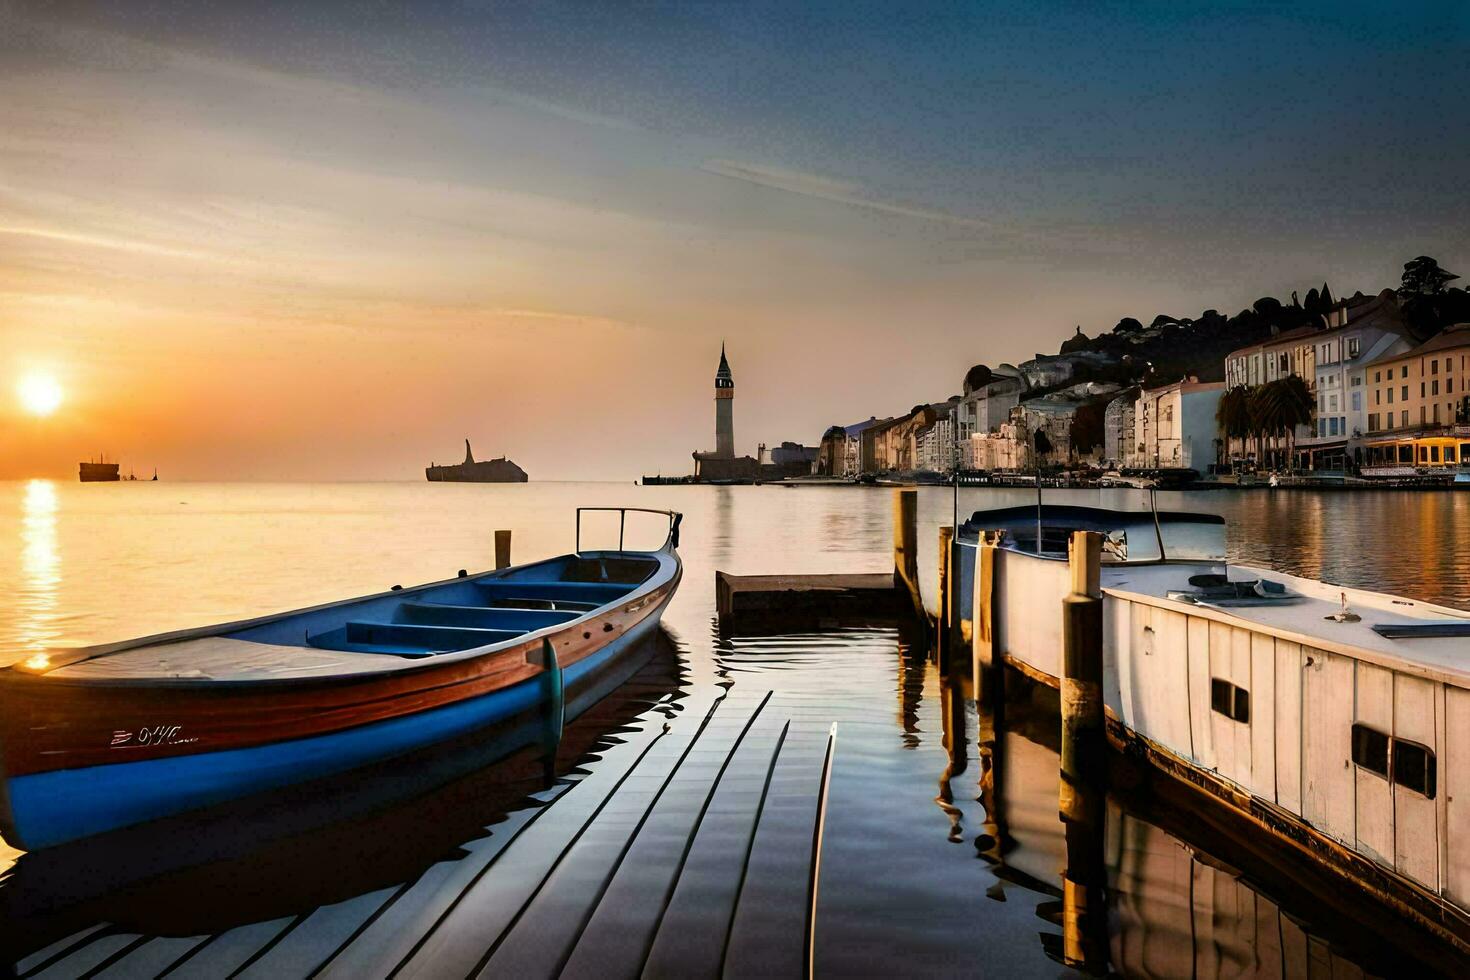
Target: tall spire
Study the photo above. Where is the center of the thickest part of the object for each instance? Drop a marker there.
(723, 378)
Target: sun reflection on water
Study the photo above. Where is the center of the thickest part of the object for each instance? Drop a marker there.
(40, 568)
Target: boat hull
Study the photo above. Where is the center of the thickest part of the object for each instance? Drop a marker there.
(43, 809)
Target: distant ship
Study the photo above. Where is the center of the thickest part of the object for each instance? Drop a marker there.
(499, 470)
(99, 471)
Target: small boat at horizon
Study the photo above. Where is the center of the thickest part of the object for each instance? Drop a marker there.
(105, 737)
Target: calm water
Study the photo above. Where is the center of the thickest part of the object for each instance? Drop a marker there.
(910, 884)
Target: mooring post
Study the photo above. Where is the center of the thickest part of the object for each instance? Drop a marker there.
(983, 654)
(944, 615)
(1083, 759)
(906, 547)
(502, 549)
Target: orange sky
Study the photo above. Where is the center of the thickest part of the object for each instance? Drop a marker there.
(254, 252)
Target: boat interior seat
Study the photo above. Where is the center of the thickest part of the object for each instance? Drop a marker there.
(408, 639)
(483, 617)
(624, 571)
(522, 602)
(596, 593)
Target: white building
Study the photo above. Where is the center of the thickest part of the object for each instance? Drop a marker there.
(1357, 331)
(999, 450)
(1292, 352)
(984, 410)
(1174, 426)
(934, 446)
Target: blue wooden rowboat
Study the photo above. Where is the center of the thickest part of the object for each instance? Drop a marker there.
(110, 736)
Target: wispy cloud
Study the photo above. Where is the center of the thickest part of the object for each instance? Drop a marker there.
(101, 241)
(833, 189)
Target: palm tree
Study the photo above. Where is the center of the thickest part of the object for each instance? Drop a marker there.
(1233, 416)
(1278, 407)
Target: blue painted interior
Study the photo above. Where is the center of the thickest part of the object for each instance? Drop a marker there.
(463, 614)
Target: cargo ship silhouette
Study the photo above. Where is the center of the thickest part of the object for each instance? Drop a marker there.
(98, 471)
(498, 470)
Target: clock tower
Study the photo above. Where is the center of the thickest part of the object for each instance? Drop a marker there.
(724, 410)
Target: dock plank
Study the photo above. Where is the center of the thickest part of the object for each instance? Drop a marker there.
(323, 931)
(150, 959)
(767, 937)
(88, 957)
(40, 958)
(390, 938)
(460, 940)
(222, 955)
(692, 932)
(546, 938)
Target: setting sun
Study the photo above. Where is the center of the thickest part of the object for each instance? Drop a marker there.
(39, 394)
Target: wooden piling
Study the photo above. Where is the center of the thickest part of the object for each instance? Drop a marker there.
(1083, 734)
(983, 655)
(502, 549)
(1083, 760)
(906, 548)
(944, 617)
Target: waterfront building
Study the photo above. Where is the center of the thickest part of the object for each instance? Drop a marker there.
(1003, 449)
(788, 459)
(1174, 426)
(841, 451)
(889, 446)
(1118, 428)
(1355, 332)
(1419, 409)
(984, 407)
(1292, 352)
(1072, 419)
(935, 447)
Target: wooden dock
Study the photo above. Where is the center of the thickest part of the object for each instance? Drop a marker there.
(690, 851)
(747, 601)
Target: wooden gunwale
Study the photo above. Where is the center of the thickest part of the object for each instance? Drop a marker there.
(67, 722)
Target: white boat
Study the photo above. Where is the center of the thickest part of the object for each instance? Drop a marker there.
(1338, 715)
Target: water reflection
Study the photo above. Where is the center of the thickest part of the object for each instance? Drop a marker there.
(1174, 909)
(37, 599)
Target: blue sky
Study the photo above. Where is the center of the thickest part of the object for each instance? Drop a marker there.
(439, 214)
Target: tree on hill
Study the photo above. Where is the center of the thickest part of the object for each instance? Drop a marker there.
(1423, 277)
(1268, 308)
(1427, 304)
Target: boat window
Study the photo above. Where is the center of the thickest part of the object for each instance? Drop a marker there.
(1229, 700)
(1220, 699)
(1242, 706)
(1370, 749)
(1193, 541)
(1413, 767)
